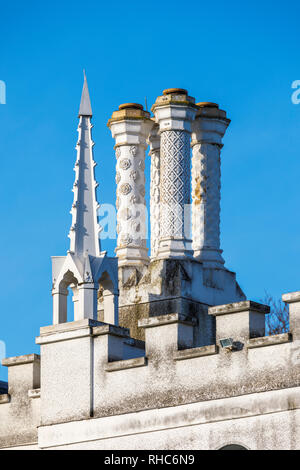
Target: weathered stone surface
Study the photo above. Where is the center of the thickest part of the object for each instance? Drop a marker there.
(175, 285)
(261, 421)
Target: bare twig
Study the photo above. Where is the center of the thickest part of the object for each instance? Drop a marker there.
(277, 321)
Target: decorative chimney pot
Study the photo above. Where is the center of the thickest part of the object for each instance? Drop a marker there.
(130, 127)
(174, 112)
(239, 321)
(208, 129)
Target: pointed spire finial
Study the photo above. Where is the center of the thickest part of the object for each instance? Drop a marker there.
(84, 232)
(85, 104)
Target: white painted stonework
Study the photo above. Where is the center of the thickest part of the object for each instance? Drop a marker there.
(140, 363)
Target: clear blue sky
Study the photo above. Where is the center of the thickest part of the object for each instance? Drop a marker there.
(244, 57)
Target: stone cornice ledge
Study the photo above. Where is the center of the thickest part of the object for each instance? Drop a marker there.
(18, 360)
(126, 364)
(195, 352)
(34, 393)
(269, 340)
(69, 326)
(78, 329)
(4, 398)
(165, 320)
(108, 329)
(236, 307)
(291, 297)
(212, 411)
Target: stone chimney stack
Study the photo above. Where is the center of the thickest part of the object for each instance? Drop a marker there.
(174, 113)
(130, 127)
(207, 131)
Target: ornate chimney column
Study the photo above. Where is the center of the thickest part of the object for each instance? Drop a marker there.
(154, 142)
(130, 127)
(174, 112)
(83, 266)
(207, 131)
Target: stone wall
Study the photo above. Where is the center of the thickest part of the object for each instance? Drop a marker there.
(174, 285)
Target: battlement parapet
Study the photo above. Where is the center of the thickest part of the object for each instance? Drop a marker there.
(102, 380)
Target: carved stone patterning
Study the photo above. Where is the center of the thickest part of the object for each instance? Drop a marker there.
(125, 240)
(141, 165)
(131, 196)
(142, 190)
(133, 150)
(125, 188)
(206, 184)
(134, 175)
(175, 182)
(118, 152)
(134, 199)
(125, 164)
(155, 201)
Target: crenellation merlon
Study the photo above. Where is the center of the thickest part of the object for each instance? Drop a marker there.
(239, 321)
(291, 297)
(185, 354)
(293, 300)
(126, 364)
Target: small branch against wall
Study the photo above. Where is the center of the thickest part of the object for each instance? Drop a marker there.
(277, 321)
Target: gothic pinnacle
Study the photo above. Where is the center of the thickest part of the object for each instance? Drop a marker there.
(84, 232)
